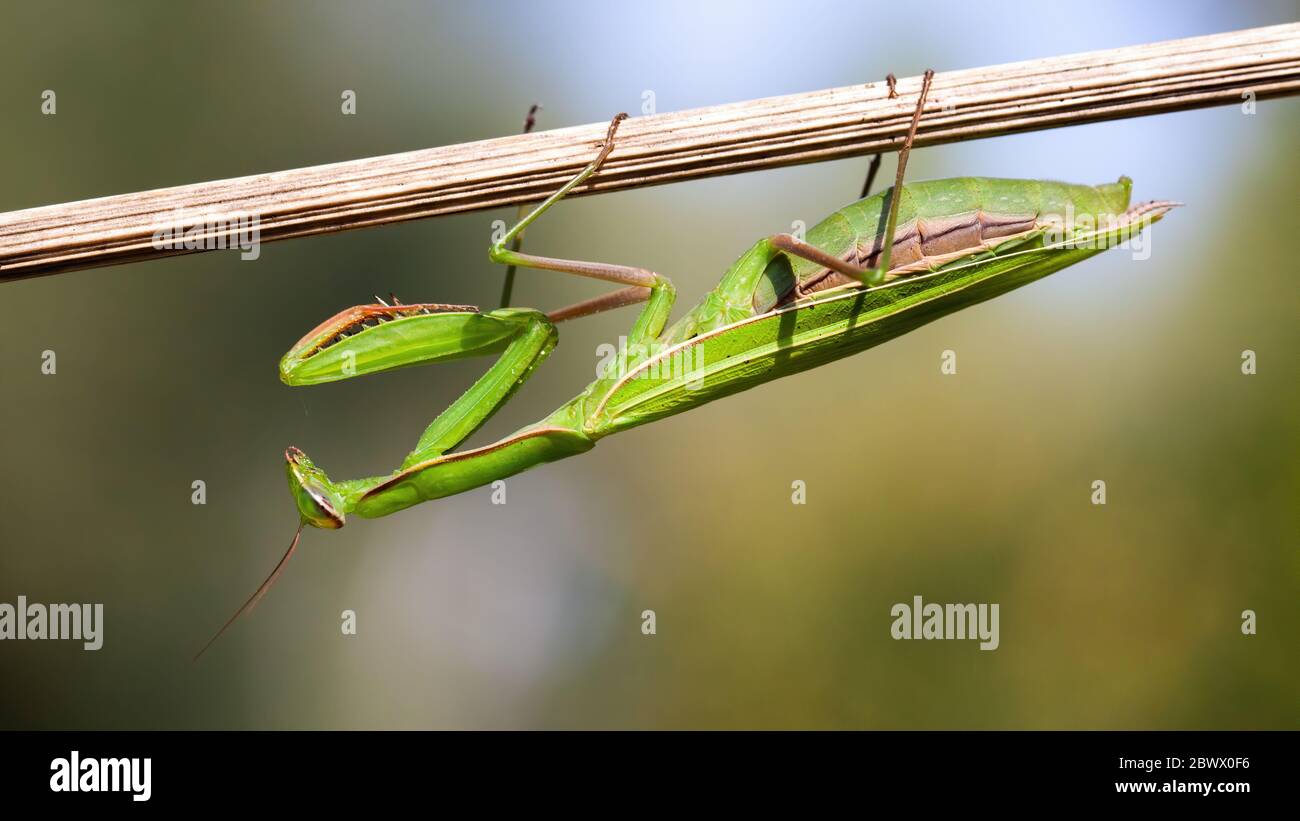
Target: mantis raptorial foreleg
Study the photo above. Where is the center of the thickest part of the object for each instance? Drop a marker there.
(528, 337)
(533, 338)
(445, 332)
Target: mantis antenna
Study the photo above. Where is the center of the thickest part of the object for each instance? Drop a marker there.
(259, 593)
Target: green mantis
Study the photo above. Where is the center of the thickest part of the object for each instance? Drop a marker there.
(869, 272)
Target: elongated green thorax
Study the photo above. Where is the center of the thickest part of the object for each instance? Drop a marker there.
(939, 221)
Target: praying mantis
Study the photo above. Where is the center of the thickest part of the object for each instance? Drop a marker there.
(871, 271)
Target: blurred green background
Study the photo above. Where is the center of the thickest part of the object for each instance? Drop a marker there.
(966, 488)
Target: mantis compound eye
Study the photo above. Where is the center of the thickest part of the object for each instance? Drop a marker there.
(318, 502)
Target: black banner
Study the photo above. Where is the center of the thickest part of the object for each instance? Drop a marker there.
(239, 770)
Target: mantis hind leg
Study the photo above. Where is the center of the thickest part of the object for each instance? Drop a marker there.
(877, 276)
(868, 276)
(892, 82)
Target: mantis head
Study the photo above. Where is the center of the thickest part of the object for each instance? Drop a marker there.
(319, 502)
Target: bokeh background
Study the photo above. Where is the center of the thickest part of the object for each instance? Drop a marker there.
(966, 488)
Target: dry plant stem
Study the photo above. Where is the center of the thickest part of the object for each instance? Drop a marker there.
(1220, 69)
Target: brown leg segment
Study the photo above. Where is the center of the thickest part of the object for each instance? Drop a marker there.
(878, 276)
(621, 274)
(875, 161)
(801, 249)
(599, 304)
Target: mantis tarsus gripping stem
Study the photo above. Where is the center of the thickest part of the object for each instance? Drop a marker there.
(875, 161)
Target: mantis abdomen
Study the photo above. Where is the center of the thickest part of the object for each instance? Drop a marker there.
(968, 249)
(939, 221)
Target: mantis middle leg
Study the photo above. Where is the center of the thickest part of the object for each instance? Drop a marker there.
(639, 284)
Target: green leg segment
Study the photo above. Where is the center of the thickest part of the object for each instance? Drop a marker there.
(536, 339)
